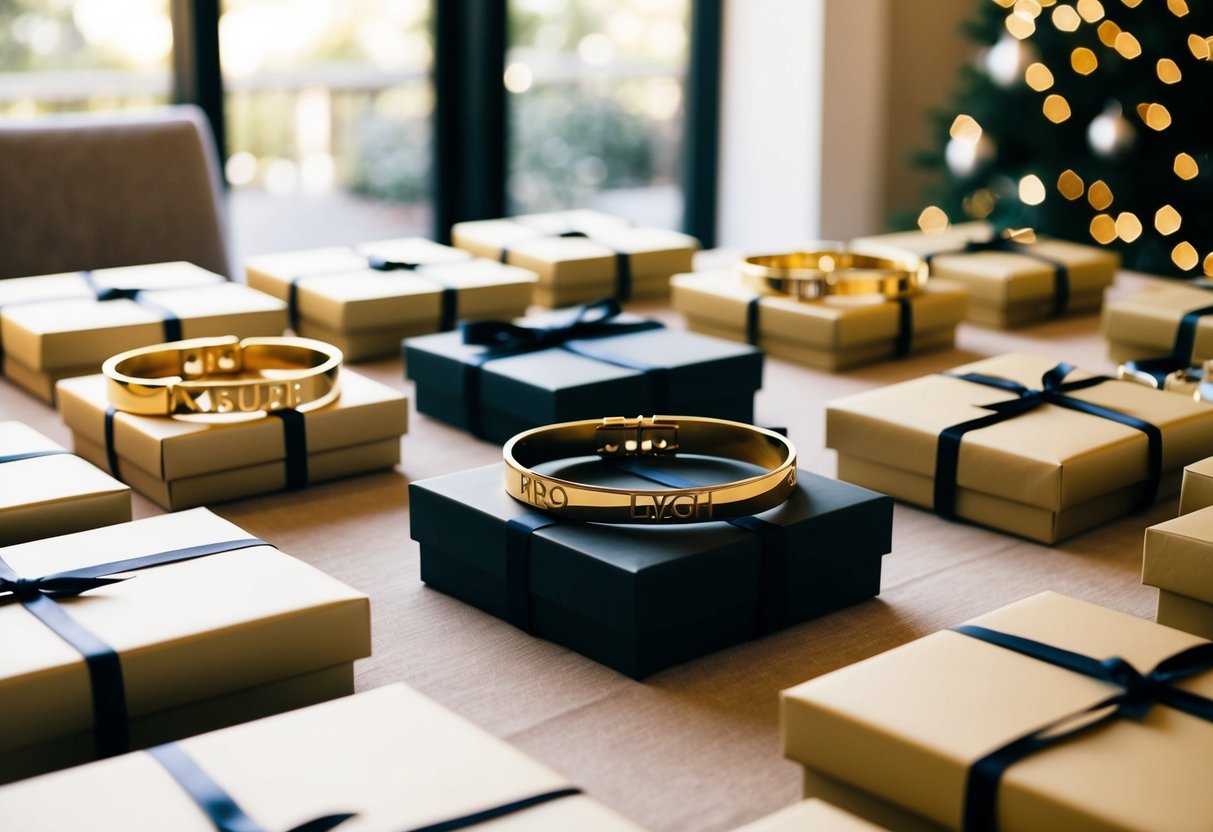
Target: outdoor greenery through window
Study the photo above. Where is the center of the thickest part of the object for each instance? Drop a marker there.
(596, 106)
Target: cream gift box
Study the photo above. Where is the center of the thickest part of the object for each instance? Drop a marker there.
(581, 255)
(184, 462)
(1045, 474)
(391, 757)
(1010, 284)
(46, 491)
(895, 738)
(73, 331)
(1160, 320)
(1178, 559)
(832, 334)
(1196, 491)
(365, 299)
(810, 815)
(241, 633)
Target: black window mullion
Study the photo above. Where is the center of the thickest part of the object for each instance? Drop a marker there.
(197, 78)
(701, 138)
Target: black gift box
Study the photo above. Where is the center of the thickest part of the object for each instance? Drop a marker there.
(688, 374)
(643, 598)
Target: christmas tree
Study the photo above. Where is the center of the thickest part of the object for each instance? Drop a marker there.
(1085, 120)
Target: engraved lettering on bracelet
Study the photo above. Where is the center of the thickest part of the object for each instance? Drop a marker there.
(543, 494)
(658, 507)
(182, 399)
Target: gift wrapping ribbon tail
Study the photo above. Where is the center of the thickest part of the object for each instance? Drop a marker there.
(1054, 390)
(1139, 692)
(224, 813)
(753, 316)
(169, 322)
(487, 815)
(903, 344)
(294, 440)
(772, 547)
(1061, 272)
(518, 531)
(448, 314)
(30, 455)
(111, 725)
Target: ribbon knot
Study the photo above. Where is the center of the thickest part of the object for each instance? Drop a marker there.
(116, 293)
(382, 264)
(63, 585)
(593, 320)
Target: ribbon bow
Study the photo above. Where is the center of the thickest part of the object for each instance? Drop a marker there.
(593, 320)
(1054, 390)
(59, 585)
(1139, 693)
(382, 264)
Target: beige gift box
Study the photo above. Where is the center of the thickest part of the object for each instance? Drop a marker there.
(892, 738)
(1178, 559)
(576, 270)
(1045, 475)
(1009, 289)
(184, 462)
(366, 312)
(51, 495)
(74, 333)
(1144, 323)
(1196, 491)
(203, 643)
(391, 756)
(833, 334)
(810, 815)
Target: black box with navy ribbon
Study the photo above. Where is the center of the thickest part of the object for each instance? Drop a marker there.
(495, 379)
(642, 597)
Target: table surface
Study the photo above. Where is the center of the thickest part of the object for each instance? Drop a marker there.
(695, 747)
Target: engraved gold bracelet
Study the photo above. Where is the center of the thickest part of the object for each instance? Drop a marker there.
(810, 275)
(656, 436)
(224, 375)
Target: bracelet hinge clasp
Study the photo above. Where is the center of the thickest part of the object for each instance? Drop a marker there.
(212, 359)
(642, 436)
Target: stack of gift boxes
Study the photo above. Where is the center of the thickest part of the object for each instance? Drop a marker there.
(130, 635)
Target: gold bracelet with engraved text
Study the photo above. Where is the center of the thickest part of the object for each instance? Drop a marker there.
(224, 375)
(656, 436)
(810, 275)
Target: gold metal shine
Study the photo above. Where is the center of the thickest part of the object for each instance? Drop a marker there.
(1038, 77)
(1128, 46)
(965, 128)
(1107, 32)
(1168, 71)
(1103, 229)
(1185, 166)
(1031, 190)
(1179, 8)
(1167, 220)
(1099, 195)
(1070, 185)
(1020, 26)
(1090, 10)
(1056, 108)
(933, 220)
(811, 275)
(1184, 255)
(1083, 61)
(1157, 117)
(1128, 226)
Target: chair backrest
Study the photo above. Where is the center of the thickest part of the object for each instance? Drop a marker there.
(91, 191)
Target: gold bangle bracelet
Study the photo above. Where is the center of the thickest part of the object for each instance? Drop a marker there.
(810, 275)
(224, 375)
(656, 436)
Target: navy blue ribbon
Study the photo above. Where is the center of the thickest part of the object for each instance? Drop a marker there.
(1139, 692)
(903, 343)
(111, 453)
(294, 435)
(487, 815)
(502, 339)
(224, 813)
(40, 596)
(29, 455)
(623, 266)
(1181, 351)
(518, 533)
(1054, 390)
(169, 321)
(1061, 272)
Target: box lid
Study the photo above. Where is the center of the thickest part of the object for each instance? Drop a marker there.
(1197, 489)
(170, 448)
(1178, 555)
(1050, 457)
(72, 333)
(152, 276)
(1149, 318)
(906, 725)
(636, 578)
(185, 631)
(414, 764)
(45, 480)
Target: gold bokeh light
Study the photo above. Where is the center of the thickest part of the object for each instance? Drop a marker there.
(1107, 32)
(1066, 19)
(1128, 226)
(1056, 108)
(1157, 117)
(1103, 229)
(1070, 185)
(965, 128)
(1185, 166)
(933, 220)
(1167, 220)
(1083, 61)
(1179, 8)
(1090, 10)
(1168, 71)
(1031, 190)
(1099, 195)
(1128, 46)
(1038, 77)
(1184, 255)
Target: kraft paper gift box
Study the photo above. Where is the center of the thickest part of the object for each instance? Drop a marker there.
(1045, 474)
(183, 462)
(581, 255)
(1011, 285)
(1196, 491)
(73, 334)
(495, 395)
(833, 334)
(1154, 322)
(1178, 559)
(893, 738)
(391, 757)
(335, 295)
(810, 815)
(640, 599)
(238, 632)
(46, 491)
